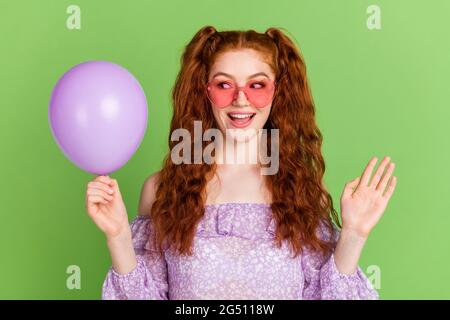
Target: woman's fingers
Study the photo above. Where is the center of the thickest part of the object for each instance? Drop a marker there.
(98, 192)
(382, 184)
(368, 171)
(101, 186)
(390, 188)
(377, 176)
(105, 179)
(95, 199)
(101, 220)
(350, 187)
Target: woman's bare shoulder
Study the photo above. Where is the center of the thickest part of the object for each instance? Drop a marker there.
(147, 196)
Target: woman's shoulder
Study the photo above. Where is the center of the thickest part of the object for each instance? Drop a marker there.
(147, 196)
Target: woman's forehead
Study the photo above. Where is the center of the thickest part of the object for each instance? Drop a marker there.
(241, 64)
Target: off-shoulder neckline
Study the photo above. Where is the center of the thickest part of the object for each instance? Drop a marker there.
(215, 205)
(259, 204)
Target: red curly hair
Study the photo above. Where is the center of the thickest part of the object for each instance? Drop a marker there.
(300, 203)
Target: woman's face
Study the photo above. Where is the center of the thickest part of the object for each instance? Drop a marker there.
(245, 66)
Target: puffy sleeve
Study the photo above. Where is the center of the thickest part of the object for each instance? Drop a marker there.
(148, 281)
(324, 281)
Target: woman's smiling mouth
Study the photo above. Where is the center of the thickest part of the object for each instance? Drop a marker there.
(241, 119)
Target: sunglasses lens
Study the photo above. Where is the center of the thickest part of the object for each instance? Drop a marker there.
(259, 93)
(221, 93)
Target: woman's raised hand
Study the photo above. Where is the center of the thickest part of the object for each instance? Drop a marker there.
(363, 203)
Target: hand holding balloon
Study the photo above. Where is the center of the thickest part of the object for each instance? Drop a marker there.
(108, 212)
(106, 208)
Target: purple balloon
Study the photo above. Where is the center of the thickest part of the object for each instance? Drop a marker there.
(98, 116)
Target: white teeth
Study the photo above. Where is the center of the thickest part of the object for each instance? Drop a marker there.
(241, 116)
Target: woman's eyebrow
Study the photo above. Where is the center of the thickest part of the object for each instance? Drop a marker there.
(258, 74)
(249, 77)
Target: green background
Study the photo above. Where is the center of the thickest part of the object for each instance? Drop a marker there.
(377, 92)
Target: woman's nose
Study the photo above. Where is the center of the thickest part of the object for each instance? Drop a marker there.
(241, 99)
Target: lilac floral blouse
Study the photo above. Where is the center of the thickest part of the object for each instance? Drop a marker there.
(235, 257)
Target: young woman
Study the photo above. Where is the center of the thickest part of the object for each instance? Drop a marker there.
(224, 230)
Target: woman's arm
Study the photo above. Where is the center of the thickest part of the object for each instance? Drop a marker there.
(121, 246)
(105, 206)
(362, 205)
(148, 280)
(323, 280)
(338, 276)
(348, 251)
(147, 277)
(123, 257)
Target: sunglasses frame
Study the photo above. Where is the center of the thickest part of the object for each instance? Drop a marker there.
(241, 88)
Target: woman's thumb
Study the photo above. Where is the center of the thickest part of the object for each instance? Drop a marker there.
(351, 186)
